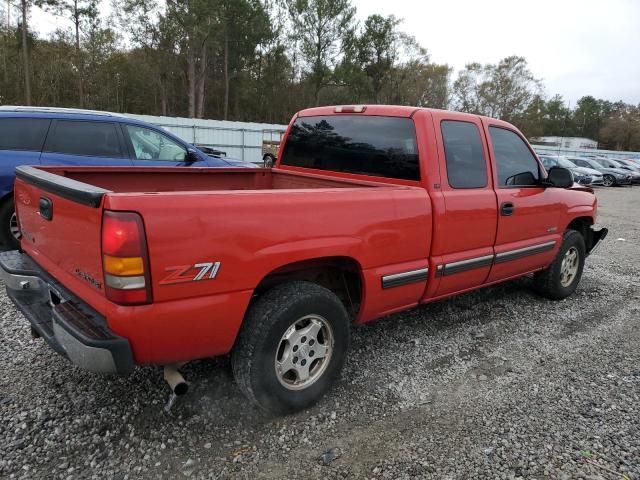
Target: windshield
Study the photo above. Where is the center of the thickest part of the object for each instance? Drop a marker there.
(563, 162)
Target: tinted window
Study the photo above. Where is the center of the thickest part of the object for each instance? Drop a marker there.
(378, 146)
(466, 166)
(515, 163)
(23, 133)
(91, 139)
(151, 145)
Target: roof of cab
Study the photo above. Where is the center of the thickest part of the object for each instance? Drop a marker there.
(396, 111)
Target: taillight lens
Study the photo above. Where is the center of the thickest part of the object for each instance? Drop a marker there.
(124, 258)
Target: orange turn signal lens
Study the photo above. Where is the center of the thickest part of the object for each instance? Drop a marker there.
(123, 266)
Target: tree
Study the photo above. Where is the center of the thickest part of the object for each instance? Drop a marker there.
(82, 13)
(375, 49)
(24, 10)
(621, 130)
(504, 90)
(319, 26)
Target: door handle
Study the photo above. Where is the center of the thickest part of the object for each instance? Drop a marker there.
(506, 209)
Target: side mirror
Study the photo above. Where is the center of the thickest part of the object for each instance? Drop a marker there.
(559, 177)
(192, 156)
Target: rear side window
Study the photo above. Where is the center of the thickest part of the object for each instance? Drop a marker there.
(377, 146)
(515, 163)
(466, 166)
(23, 133)
(91, 139)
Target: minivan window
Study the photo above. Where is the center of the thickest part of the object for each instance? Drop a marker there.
(515, 163)
(151, 145)
(466, 166)
(23, 133)
(91, 139)
(366, 145)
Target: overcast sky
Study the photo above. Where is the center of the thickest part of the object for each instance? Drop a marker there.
(576, 47)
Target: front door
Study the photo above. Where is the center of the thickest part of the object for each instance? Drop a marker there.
(529, 232)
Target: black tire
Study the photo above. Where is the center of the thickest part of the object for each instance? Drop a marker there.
(548, 282)
(269, 161)
(8, 240)
(609, 181)
(259, 342)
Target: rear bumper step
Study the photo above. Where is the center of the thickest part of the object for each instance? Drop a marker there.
(70, 326)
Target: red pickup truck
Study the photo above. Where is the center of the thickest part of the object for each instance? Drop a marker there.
(369, 210)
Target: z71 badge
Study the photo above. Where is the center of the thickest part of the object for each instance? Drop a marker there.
(191, 273)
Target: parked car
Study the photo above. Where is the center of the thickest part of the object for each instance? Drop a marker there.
(368, 211)
(596, 177)
(611, 176)
(579, 176)
(610, 163)
(62, 136)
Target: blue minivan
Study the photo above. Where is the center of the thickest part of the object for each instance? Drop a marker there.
(62, 136)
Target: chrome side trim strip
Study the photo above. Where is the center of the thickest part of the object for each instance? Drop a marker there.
(524, 252)
(398, 279)
(469, 264)
(487, 260)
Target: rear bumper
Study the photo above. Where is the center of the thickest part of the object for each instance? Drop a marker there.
(67, 324)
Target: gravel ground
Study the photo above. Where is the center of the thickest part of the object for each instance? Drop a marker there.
(498, 383)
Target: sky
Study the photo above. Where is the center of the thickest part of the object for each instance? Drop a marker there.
(576, 47)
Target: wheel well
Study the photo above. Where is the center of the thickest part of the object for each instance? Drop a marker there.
(341, 275)
(583, 226)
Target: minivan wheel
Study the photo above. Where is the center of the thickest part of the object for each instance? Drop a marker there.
(269, 161)
(9, 231)
(291, 347)
(561, 278)
(609, 180)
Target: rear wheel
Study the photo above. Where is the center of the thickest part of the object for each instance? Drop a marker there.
(9, 231)
(291, 347)
(561, 278)
(609, 180)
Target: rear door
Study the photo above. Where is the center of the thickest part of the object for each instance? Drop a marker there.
(79, 142)
(529, 231)
(465, 235)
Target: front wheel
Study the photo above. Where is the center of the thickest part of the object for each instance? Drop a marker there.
(561, 278)
(291, 347)
(609, 180)
(9, 231)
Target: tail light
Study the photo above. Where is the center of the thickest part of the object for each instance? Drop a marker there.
(124, 259)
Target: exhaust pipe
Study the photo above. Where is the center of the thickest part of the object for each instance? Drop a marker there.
(176, 381)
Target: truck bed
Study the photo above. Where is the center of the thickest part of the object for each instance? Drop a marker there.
(172, 179)
(250, 223)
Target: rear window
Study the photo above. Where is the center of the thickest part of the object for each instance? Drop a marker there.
(377, 146)
(91, 139)
(23, 133)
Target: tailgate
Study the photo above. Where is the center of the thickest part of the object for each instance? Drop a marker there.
(60, 220)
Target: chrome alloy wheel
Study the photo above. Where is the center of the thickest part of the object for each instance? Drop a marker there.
(304, 352)
(569, 267)
(608, 180)
(14, 228)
